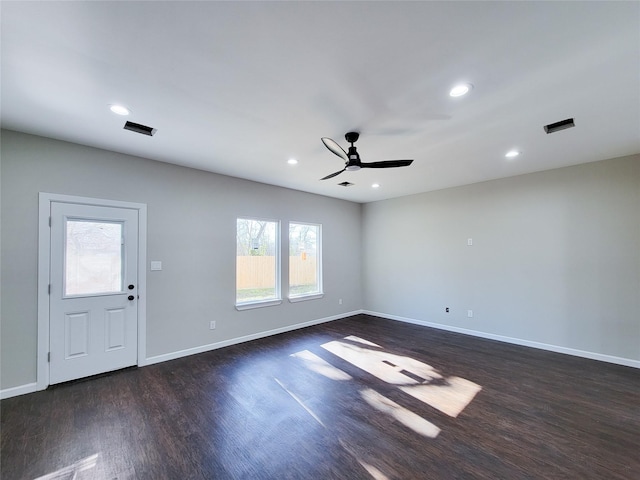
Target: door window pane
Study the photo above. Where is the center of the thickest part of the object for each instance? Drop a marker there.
(93, 257)
(257, 266)
(304, 260)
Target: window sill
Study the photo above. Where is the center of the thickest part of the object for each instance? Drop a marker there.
(259, 304)
(302, 298)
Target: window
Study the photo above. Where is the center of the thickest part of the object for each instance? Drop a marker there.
(257, 263)
(305, 272)
(93, 257)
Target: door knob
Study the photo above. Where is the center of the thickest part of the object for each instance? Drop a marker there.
(131, 297)
(131, 287)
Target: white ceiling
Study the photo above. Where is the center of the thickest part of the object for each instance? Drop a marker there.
(238, 88)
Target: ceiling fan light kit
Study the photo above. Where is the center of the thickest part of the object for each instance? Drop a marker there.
(352, 159)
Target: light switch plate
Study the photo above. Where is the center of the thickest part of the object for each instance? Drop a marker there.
(156, 265)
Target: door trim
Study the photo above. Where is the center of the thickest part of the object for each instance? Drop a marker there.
(44, 263)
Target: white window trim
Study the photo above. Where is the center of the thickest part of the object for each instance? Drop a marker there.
(257, 304)
(305, 297)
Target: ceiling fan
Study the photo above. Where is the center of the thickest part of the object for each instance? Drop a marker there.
(352, 159)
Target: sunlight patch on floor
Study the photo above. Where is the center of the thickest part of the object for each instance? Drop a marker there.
(371, 470)
(450, 398)
(449, 395)
(353, 338)
(403, 415)
(71, 471)
(318, 365)
(383, 365)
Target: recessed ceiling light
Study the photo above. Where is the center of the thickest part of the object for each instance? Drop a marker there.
(119, 110)
(375, 185)
(512, 154)
(292, 161)
(460, 90)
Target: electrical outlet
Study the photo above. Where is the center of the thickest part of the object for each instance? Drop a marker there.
(446, 309)
(339, 301)
(212, 325)
(469, 313)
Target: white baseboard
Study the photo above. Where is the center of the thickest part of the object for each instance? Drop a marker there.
(628, 362)
(233, 341)
(31, 387)
(15, 391)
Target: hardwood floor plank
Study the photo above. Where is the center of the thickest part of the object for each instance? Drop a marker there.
(357, 398)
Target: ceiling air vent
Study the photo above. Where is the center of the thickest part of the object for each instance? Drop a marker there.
(345, 184)
(554, 127)
(143, 129)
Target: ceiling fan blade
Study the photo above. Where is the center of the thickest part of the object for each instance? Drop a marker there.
(335, 148)
(387, 164)
(334, 174)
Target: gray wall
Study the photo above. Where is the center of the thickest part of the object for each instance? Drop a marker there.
(191, 229)
(555, 257)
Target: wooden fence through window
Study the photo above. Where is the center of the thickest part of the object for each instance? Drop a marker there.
(259, 271)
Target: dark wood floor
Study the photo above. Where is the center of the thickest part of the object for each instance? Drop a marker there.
(253, 411)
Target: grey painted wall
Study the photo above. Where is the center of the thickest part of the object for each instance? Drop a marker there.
(191, 229)
(555, 257)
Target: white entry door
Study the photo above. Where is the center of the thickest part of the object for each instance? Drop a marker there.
(93, 309)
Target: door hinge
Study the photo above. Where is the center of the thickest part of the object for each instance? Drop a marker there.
(49, 357)
(49, 221)
(49, 289)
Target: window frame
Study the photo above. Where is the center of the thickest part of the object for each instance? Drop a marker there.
(320, 291)
(65, 261)
(277, 299)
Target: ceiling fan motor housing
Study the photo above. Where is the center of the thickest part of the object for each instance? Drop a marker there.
(354, 159)
(353, 154)
(352, 137)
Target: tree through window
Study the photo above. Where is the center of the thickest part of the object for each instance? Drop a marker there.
(305, 276)
(257, 262)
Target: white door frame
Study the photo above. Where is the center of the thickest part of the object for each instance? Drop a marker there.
(44, 263)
